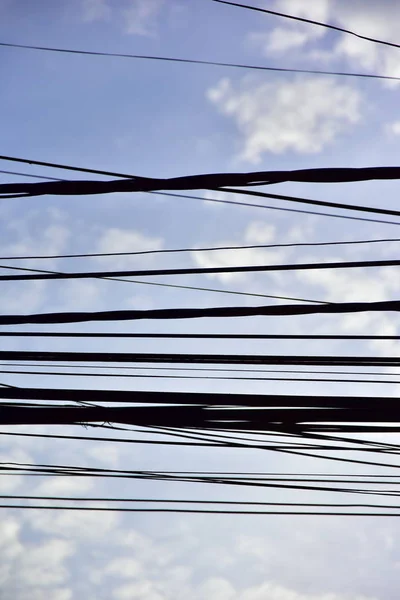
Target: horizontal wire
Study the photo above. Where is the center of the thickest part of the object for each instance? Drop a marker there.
(197, 377)
(198, 62)
(54, 275)
(214, 502)
(204, 369)
(218, 359)
(222, 336)
(200, 511)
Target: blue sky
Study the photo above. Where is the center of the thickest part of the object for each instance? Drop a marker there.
(162, 119)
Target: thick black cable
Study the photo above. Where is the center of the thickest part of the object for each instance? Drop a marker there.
(197, 270)
(211, 336)
(191, 197)
(206, 181)
(199, 62)
(211, 359)
(201, 399)
(301, 200)
(195, 313)
(311, 22)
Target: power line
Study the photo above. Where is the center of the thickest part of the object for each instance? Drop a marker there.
(206, 369)
(280, 208)
(204, 181)
(191, 61)
(191, 197)
(196, 313)
(341, 205)
(311, 22)
(212, 336)
(197, 377)
(195, 270)
(180, 250)
(183, 287)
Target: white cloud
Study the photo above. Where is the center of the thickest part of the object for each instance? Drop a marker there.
(95, 10)
(142, 16)
(256, 232)
(369, 18)
(393, 128)
(302, 115)
(293, 35)
(125, 240)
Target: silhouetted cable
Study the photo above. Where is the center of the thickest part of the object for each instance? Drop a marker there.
(183, 401)
(183, 501)
(205, 369)
(238, 359)
(195, 270)
(311, 22)
(191, 197)
(280, 208)
(173, 285)
(201, 336)
(342, 205)
(207, 377)
(201, 511)
(318, 175)
(206, 181)
(196, 313)
(192, 61)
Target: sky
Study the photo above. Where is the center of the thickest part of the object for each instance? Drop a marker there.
(161, 119)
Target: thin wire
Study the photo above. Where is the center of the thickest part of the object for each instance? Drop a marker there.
(267, 207)
(200, 511)
(207, 369)
(207, 377)
(172, 285)
(311, 22)
(342, 205)
(214, 502)
(198, 62)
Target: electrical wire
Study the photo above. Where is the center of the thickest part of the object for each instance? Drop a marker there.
(211, 359)
(44, 275)
(191, 197)
(196, 313)
(212, 336)
(198, 62)
(311, 22)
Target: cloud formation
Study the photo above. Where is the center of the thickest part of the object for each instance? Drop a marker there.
(300, 115)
